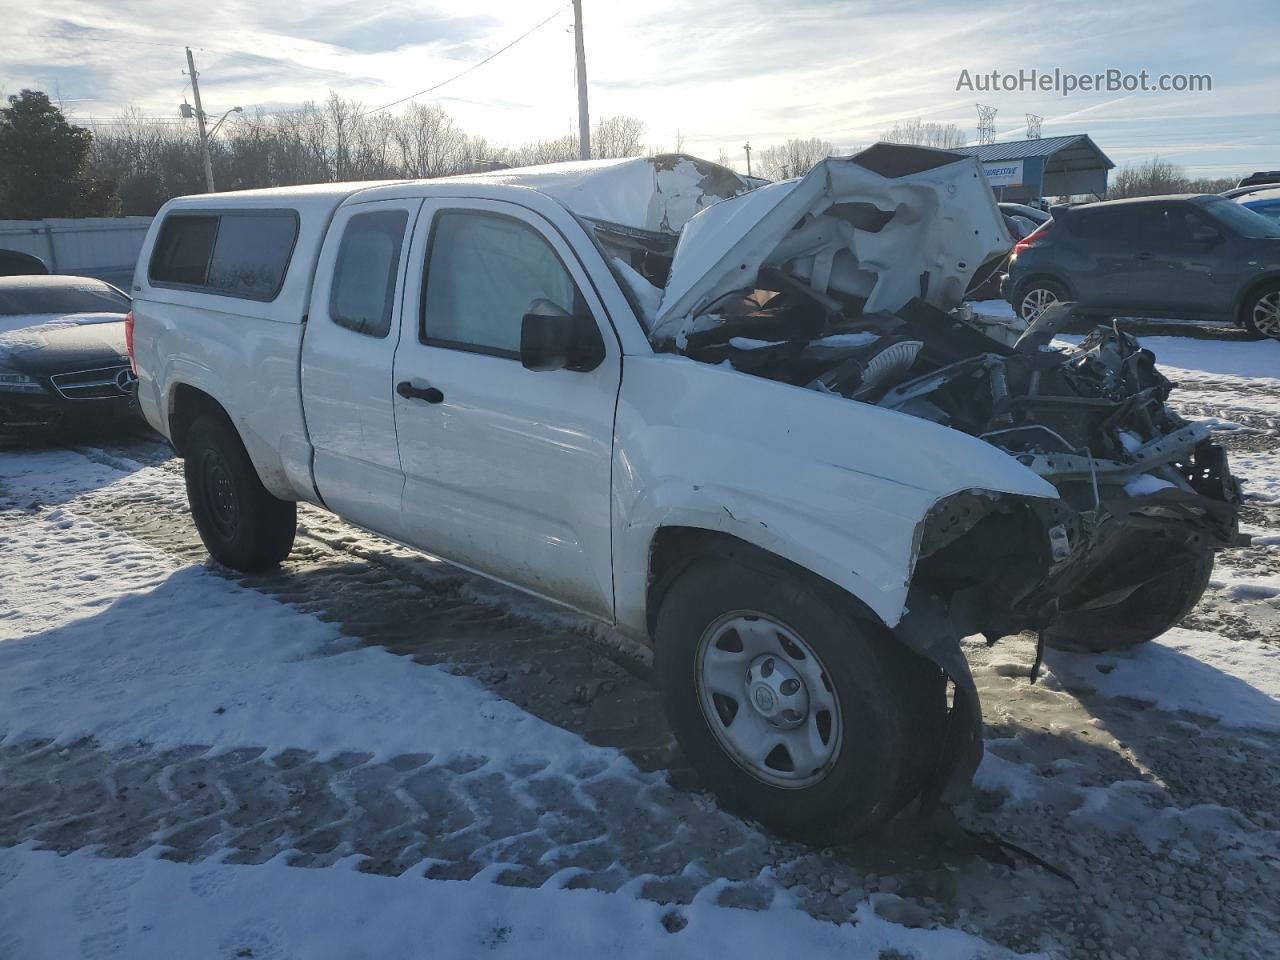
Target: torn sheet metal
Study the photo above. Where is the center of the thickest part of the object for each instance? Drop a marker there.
(885, 226)
(656, 195)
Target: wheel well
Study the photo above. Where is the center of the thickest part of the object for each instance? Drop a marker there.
(1041, 278)
(674, 549)
(186, 406)
(1252, 290)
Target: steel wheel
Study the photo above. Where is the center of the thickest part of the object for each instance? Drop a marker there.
(1035, 301)
(1266, 315)
(220, 494)
(768, 700)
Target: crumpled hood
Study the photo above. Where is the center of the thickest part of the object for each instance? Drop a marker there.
(887, 225)
(656, 194)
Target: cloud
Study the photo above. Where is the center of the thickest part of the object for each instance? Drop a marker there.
(843, 70)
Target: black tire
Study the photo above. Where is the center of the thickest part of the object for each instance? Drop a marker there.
(242, 525)
(1250, 306)
(1141, 617)
(892, 701)
(1027, 288)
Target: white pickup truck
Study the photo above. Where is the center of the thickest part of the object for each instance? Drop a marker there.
(743, 423)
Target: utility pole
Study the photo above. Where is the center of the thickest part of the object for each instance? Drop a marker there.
(204, 135)
(584, 121)
(1033, 126)
(747, 147)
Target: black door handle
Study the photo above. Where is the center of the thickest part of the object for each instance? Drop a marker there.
(1144, 256)
(410, 392)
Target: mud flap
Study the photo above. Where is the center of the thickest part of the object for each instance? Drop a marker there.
(927, 629)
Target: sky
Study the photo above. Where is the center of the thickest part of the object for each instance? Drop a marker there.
(708, 76)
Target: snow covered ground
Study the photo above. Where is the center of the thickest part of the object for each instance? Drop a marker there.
(372, 754)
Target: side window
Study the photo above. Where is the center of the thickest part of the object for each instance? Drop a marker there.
(364, 275)
(1107, 225)
(183, 250)
(239, 254)
(484, 273)
(251, 254)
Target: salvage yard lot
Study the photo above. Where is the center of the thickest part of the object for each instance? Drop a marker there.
(369, 751)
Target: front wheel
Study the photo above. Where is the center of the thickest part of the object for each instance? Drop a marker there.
(1260, 313)
(242, 525)
(1142, 616)
(794, 710)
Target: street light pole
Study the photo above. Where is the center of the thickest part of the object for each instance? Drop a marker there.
(584, 122)
(204, 136)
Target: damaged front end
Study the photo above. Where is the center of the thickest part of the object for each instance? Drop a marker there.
(847, 282)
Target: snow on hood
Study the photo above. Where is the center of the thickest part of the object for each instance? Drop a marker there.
(96, 335)
(9, 324)
(659, 194)
(887, 225)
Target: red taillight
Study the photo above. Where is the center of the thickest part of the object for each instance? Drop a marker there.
(128, 341)
(1031, 239)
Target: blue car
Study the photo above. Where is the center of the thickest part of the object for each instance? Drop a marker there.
(1265, 202)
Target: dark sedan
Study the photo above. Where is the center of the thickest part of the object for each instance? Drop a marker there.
(63, 360)
(1183, 257)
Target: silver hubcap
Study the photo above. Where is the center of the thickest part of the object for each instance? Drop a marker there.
(1036, 302)
(768, 700)
(1266, 315)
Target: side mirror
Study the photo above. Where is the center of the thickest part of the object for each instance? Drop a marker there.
(1202, 233)
(551, 338)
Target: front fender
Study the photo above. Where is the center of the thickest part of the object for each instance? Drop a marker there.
(836, 486)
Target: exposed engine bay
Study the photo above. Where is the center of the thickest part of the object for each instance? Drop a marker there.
(849, 282)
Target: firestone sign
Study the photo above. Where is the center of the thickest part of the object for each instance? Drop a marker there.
(1003, 173)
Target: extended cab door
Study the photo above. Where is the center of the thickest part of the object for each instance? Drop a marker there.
(507, 470)
(347, 355)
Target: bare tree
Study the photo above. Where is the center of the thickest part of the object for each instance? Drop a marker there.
(617, 137)
(1155, 177)
(794, 158)
(921, 133)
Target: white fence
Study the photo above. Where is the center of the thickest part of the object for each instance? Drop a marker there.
(102, 247)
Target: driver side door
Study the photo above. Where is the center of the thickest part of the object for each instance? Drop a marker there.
(507, 470)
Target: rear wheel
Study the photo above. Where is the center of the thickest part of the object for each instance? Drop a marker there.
(1142, 616)
(242, 525)
(794, 710)
(1036, 296)
(1261, 313)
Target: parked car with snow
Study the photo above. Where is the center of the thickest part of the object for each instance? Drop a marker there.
(741, 425)
(1182, 257)
(63, 358)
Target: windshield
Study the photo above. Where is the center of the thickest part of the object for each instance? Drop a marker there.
(42, 298)
(1241, 220)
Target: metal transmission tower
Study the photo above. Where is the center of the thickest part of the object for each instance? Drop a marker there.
(1033, 126)
(986, 124)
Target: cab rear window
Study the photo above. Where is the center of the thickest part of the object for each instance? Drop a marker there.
(231, 253)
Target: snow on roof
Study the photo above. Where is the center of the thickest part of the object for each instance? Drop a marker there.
(658, 193)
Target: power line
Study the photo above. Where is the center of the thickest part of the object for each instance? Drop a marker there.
(475, 66)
